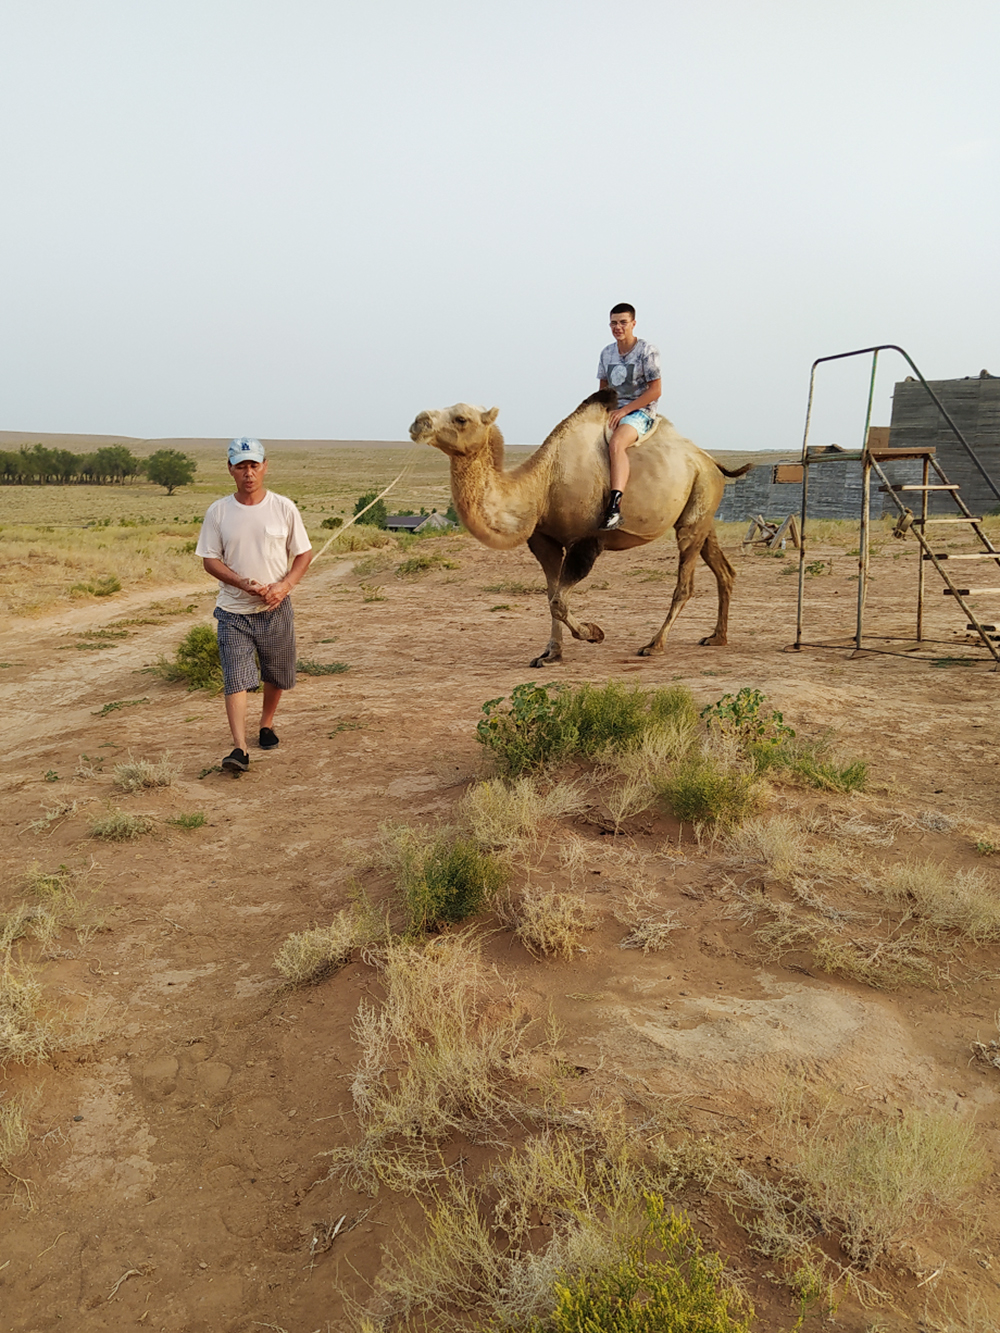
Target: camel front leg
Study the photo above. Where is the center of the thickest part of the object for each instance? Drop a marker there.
(689, 547)
(549, 555)
(562, 569)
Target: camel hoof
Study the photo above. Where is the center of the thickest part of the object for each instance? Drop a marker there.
(589, 634)
(545, 659)
(713, 641)
(650, 649)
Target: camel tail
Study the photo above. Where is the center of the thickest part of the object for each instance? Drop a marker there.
(737, 473)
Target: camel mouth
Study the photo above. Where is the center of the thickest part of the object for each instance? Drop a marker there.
(421, 427)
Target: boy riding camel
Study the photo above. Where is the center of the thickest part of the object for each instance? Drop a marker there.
(630, 366)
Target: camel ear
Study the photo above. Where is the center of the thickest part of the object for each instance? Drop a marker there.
(490, 416)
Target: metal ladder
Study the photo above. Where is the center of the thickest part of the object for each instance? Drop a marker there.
(872, 460)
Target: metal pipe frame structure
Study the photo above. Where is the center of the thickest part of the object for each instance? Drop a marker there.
(863, 456)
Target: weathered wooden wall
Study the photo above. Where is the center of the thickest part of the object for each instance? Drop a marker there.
(974, 406)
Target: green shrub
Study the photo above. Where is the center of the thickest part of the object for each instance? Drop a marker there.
(530, 732)
(102, 587)
(612, 716)
(196, 820)
(196, 663)
(701, 791)
(449, 881)
(420, 564)
(680, 1290)
(120, 826)
(811, 760)
(334, 521)
(321, 668)
(743, 717)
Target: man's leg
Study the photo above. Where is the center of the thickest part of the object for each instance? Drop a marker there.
(236, 712)
(272, 697)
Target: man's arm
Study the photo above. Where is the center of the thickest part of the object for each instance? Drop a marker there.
(275, 593)
(650, 395)
(221, 571)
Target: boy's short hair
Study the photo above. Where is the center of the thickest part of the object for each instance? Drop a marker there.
(622, 308)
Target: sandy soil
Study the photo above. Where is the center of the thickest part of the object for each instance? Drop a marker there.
(172, 1180)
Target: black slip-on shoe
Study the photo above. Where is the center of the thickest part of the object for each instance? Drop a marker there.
(268, 740)
(611, 521)
(237, 762)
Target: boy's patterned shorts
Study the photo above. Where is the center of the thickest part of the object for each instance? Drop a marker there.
(267, 637)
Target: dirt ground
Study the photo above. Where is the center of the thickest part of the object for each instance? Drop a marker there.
(174, 1180)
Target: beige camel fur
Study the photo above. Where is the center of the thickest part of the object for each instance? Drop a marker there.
(555, 500)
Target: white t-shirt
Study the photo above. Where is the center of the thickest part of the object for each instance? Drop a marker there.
(630, 375)
(256, 541)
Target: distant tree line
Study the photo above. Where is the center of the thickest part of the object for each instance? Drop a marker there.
(113, 464)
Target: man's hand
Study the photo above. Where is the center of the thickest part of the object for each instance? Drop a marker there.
(615, 417)
(275, 593)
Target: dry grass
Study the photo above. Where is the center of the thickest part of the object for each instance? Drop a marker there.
(434, 1057)
(874, 1180)
(120, 826)
(506, 815)
(310, 955)
(139, 774)
(478, 1253)
(549, 923)
(25, 1036)
(44, 566)
(649, 924)
(962, 900)
(775, 846)
(13, 1128)
(58, 901)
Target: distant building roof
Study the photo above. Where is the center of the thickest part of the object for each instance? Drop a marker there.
(416, 522)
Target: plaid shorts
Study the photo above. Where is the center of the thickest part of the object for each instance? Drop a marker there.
(267, 637)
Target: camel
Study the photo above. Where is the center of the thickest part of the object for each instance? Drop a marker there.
(555, 500)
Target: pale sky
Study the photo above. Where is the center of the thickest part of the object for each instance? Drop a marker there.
(312, 219)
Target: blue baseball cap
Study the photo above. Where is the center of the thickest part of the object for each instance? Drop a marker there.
(245, 450)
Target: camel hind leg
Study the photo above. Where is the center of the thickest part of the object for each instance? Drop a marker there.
(689, 544)
(714, 556)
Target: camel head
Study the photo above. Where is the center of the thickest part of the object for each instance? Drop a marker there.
(460, 431)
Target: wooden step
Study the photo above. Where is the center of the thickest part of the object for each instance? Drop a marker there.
(978, 627)
(908, 487)
(969, 592)
(963, 519)
(975, 555)
(888, 455)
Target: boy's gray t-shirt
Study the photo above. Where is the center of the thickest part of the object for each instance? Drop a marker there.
(630, 375)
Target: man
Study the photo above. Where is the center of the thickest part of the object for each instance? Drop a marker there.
(255, 544)
(630, 366)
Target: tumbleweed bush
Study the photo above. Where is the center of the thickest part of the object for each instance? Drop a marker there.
(196, 663)
(963, 900)
(874, 1178)
(24, 1035)
(120, 826)
(447, 881)
(550, 923)
(704, 791)
(310, 955)
(138, 774)
(434, 1057)
(664, 1282)
(503, 815)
